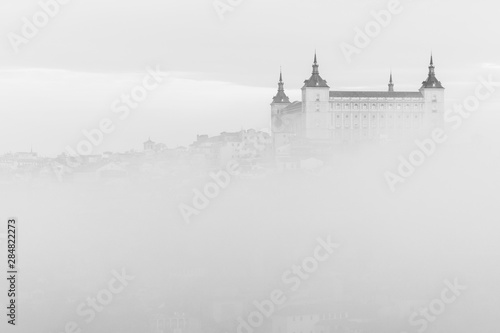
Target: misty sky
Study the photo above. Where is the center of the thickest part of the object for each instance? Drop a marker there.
(219, 75)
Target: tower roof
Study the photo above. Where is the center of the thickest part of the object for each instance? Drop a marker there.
(432, 81)
(281, 97)
(315, 80)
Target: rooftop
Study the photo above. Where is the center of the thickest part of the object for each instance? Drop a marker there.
(294, 107)
(315, 80)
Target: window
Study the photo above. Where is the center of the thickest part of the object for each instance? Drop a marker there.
(346, 121)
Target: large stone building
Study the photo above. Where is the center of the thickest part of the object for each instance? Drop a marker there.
(327, 116)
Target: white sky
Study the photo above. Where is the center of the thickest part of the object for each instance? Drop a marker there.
(221, 74)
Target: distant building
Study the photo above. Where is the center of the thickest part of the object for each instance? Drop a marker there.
(176, 323)
(320, 318)
(151, 146)
(327, 116)
(243, 145)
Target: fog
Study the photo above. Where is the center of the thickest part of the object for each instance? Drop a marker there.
(396, 249)
(237, 216)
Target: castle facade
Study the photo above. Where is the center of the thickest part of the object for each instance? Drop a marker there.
(326, 116)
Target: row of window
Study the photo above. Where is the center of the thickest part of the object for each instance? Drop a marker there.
(324, 316)
(376, 106)
(374, 125)
(381, 125)
(375, 116)
(373, 121)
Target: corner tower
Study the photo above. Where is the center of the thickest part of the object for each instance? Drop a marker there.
(281, 100)
(315, 102)
(280, 133)
(433, 92)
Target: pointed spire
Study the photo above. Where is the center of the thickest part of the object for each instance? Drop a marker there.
(431, 66)
(315, 80)
(281, 97)
(280, 82)
(432, 81)
(315, 64)
(391, 84)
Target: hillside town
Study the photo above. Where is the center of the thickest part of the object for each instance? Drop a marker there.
(252, 149)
